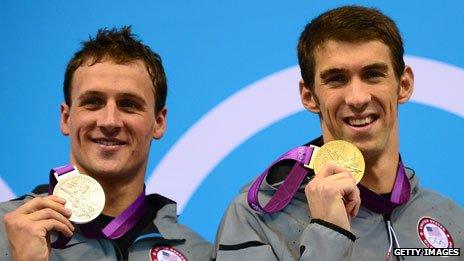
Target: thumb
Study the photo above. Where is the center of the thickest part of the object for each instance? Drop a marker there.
(329, 169)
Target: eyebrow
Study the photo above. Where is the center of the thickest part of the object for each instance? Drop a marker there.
(89, 93)
(139, 99)
(119, 95)
(376, 66)
(331, 71)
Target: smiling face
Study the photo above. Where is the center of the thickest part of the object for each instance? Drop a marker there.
(111, 120)
(356, 94)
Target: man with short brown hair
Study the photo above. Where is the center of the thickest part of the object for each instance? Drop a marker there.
(354, 78)
(115, 92)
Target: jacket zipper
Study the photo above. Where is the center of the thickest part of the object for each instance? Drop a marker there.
(117, 251)
(391, 237)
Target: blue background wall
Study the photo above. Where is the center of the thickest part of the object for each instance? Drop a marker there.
(211, 50)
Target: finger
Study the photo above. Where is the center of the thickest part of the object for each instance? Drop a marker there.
(335, 187)
(53, 224)
(344, 187)
(357, 206)
(353, 202)
(329, 169)
(331, 183)
(41, 203)
(48, 213)
(350, 206)
(57, 199)
(344, 176)
(355, 211)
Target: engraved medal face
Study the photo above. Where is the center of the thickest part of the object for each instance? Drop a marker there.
(84, 197)
(342, 154)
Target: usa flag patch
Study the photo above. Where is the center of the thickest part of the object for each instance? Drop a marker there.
(433, 234)
(165, 253)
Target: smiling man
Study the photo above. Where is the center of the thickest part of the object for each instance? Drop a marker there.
(115, 91)
(354, 78)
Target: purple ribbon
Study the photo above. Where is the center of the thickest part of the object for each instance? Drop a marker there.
(301, 155)
(400, 194)
(59, 171)
(115, 229)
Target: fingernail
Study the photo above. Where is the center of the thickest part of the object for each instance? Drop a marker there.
(68, 211)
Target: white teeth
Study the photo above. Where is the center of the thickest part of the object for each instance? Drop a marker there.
(361, 122)
(108, 143)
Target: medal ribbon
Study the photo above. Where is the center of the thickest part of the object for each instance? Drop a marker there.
(115, 229)
(286, 191)
(399, 195)
(302, 155)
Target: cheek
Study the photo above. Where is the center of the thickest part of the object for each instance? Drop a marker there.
(330, 106)
(142, 131)
(80, 121)
(389, 103)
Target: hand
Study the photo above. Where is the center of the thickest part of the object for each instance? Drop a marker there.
(333, 196)
(28, 227)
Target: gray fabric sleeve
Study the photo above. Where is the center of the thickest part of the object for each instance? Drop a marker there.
(6, 207)
(322, 243)
(241, 237)
(244, 235)
(4, 245)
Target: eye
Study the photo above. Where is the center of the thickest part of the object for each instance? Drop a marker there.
(92, 103)
(373, 76)
(335, 80)
(129, 105)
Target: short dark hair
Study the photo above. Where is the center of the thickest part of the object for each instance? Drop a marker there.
(120, 46)
(348, 24)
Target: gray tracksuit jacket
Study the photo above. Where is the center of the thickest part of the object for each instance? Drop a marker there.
(169, 233)
(290, 234)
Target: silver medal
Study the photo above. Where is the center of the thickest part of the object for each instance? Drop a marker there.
(84, 197)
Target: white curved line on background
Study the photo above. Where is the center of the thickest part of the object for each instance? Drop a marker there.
(438, 84)
(221, 130)
(6, 193)
(263, 103)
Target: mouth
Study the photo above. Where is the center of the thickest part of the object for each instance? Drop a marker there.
(108, 142)
(360, 121)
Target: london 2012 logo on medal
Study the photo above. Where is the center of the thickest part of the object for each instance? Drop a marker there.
(165, 253)
(433, 234)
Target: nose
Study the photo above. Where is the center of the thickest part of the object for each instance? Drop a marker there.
(110, 121)
(358, 95)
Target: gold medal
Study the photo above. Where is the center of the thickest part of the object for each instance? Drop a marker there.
(342, 154)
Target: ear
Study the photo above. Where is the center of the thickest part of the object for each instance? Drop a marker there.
(64, 119)
(406, 87)
(160, 124)
(308, 98)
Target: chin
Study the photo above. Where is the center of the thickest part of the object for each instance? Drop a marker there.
(107, 170)
(369, 150)
(102, 169)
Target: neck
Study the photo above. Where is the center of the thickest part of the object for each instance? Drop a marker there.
(381, 170)
(380, 174)
(120, 195)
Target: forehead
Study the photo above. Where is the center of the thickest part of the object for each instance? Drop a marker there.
(112, 78)
(350, 56)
